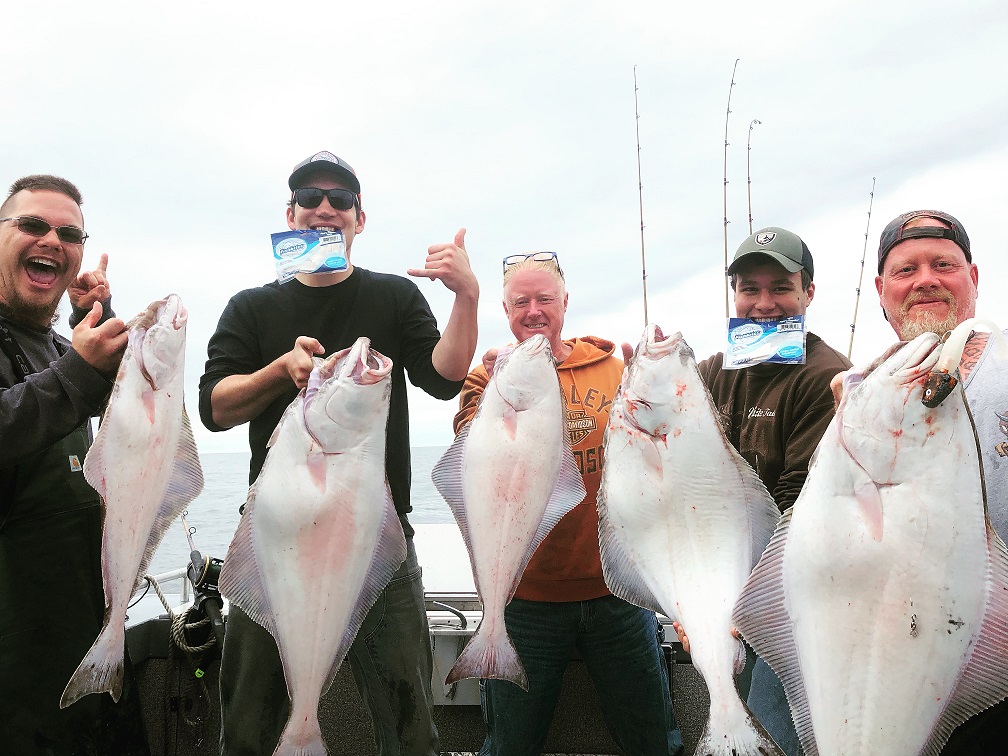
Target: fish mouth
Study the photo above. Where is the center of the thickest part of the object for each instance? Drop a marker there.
(655, 344)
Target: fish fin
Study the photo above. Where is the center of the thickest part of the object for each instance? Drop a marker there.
(317, 468)
(184, 485)
(622, 575)
(652, 456)
(240, 578)
(387, 558)
(101, 669)
(761, 507)
(447, 478)
(147, 397)
(752, 740)
(870, 508)
(984, 681)
(762, 619)
(94, 463)
(489, 656)
(301, 738)
(568, 492)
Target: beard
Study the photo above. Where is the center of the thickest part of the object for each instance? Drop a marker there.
(25, 313)
(927, 322)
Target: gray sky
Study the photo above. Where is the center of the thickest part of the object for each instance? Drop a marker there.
(181, 122)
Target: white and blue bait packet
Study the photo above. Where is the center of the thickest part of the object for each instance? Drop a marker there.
(308, 251)
(751, 342)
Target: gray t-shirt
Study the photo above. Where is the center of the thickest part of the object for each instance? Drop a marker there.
(987, 392)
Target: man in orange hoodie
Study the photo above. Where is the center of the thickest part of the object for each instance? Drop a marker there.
(562, 602)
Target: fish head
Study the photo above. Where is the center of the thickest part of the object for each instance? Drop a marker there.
(881, 414)
(346, 395)
(519, 373)
(661, 376)
(157, 340)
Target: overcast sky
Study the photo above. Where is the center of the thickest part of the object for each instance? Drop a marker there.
(180, 123)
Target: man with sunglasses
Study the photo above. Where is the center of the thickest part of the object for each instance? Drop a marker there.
(258, 359)
(562, 602)
(52, 601)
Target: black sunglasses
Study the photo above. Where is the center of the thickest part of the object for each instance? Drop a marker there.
(310, 197)
(38, 227)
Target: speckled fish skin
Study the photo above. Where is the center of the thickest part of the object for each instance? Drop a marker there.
(508, 478)
(882, 599)
(145, 465)
(320, 537)
(682, 520)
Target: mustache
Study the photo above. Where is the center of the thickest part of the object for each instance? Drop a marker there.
(918, 296)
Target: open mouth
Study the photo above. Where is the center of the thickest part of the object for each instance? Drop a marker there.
(41, 270)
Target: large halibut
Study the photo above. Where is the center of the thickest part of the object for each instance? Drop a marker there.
(320, 538)
(882, 599)
(144, 464)
(509, 477)
(682, 520)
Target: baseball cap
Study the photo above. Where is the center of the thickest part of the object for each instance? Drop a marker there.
(896, 232)
(778, 244)
(324, 162)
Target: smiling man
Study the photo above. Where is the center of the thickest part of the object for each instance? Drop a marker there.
(258, 360)
(927, 282)
(562, 602)
(52, 602)
(775, 415)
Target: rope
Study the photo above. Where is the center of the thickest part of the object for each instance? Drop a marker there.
(180, 623)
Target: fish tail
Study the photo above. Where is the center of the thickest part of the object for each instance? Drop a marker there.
(489, 656)
(752, 740)
(302, 737)
(101, 669)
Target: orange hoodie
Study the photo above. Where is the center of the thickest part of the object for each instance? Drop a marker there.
(567, 565)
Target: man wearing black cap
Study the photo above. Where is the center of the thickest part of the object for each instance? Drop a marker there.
(259, 358)
(927, 282)
(775, 415)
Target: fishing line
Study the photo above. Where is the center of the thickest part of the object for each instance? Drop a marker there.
(864, 251)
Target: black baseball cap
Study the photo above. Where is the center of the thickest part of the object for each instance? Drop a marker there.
(779, 245)
(324, 162)
(896, 232)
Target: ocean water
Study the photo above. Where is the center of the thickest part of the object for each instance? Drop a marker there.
(214, 514)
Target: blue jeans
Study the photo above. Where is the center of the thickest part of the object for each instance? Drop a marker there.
(391, 662)
(768, 703)
(620, 646)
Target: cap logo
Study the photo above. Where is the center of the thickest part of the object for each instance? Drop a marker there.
(764, 238)
(325, 155)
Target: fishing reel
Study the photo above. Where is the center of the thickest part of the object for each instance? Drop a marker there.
(204, 573)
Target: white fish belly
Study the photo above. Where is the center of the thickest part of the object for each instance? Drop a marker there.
(139, 456)
(883, 627)
(314, 548)
(685, 523)
(507, 484)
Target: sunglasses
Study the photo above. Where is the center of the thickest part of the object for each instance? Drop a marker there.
(29, 224)
(311, 197)
(535, 256)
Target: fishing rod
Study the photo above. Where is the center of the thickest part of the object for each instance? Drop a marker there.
(640, 197)
(725, 188)
(204, 573)
(857, 298)
(748, 174)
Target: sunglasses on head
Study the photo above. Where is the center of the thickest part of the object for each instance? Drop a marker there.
(535, 256)
(311, 197)
(29, 224)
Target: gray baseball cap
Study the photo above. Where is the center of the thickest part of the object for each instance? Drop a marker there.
(780, 245)
(324, 162)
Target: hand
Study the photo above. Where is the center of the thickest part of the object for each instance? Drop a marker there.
(450, 264)
(102, 347)
(684, 640)
(489, 359)
(90, 287)
(298, 361)
(836, 386)
(627, 354)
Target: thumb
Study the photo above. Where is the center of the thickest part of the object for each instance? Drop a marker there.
(627, 353)
(310, 345)
(94, 315)
(460, 238)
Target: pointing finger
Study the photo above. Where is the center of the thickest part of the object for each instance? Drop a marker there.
(102, 263)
